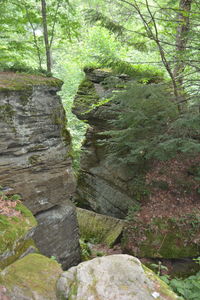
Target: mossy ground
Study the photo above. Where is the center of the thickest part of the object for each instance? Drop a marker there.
(164, 238)
(33, 274)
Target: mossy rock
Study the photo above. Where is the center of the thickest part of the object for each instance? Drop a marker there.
(99, 228)
(16, 235)
(32, 277)
(163, 238)
(6, 113)
(10, 81)
(162, 288)
(86, 97)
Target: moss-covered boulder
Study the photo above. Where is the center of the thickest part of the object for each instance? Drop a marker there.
(16, 236)
(163, 237)
(113, 277)
(97, 227)
(30, 278)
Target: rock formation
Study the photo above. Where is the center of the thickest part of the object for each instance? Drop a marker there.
(164, 221)
(16, 236)
(32, 277)
(115, 277)
(100, 228)
(102, 187)
(34, 161)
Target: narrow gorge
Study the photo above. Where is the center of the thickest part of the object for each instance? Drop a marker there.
(118, 211)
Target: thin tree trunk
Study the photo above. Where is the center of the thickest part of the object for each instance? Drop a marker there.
(182, 39)
(46, 36)
(35, 38)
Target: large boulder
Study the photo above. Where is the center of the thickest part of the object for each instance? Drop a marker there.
(57, 235)
(30, 278)
(100, 228)
(35, 160)
(16, 236)
(116, 277)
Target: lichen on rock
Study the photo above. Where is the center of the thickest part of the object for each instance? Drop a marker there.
(32, 277)
(100, 228)
(115, 277)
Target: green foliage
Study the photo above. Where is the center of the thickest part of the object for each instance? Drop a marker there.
(188, 288)
(159, 268)
(148, 126)
(85, 250)
(132, 211)
(22, 38)
(92, 16)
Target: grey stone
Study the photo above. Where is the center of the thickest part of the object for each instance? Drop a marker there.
(114, 277)
(35, 162)
(57, 235)
(34, 145)
(101, 187)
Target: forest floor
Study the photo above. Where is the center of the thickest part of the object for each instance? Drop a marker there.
(175, 189)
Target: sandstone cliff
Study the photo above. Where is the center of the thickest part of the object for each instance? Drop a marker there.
(102, 187)
(35, 162)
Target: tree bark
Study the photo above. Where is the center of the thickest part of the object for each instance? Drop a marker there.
(182, 39)
(46, 36)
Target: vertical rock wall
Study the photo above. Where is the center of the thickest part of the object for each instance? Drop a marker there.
(102, 187)
(34, 159)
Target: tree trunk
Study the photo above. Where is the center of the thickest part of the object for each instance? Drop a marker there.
(181, 39)
(46, 36)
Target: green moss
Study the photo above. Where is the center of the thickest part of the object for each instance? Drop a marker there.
(6, 113)
(60, 119)
(25, 212)
(25, 96)
(73, 290)
(19, 250)
(37, 148)
(34, 275)
(13, 232)
(165, 238)
(10, 81)
(99, 228)
(34, 159)
(160, 286)
(86, 96)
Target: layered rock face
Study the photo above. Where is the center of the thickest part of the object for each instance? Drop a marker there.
(34, 146)
(102, 187)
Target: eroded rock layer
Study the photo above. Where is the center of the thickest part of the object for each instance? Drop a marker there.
(34, 147)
